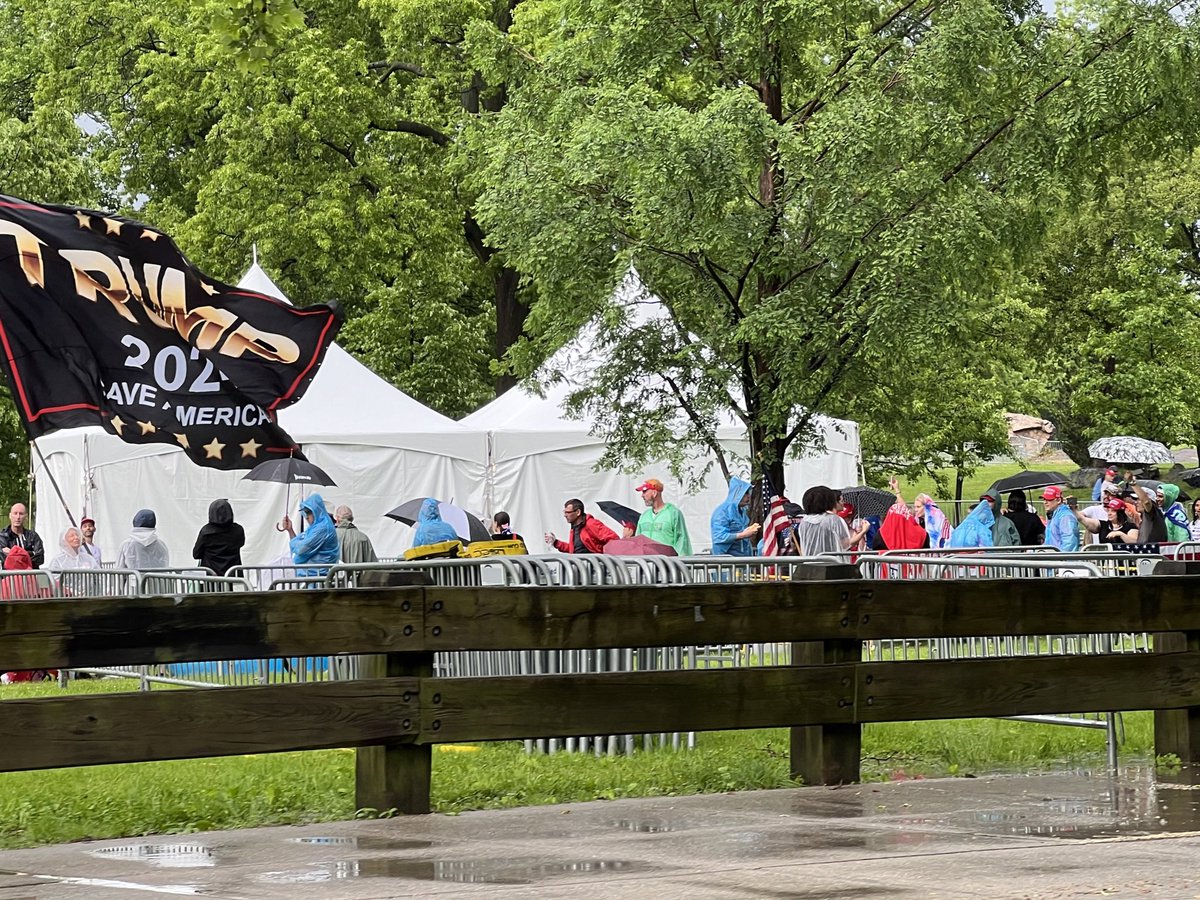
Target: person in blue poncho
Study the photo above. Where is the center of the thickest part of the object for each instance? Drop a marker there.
(430, 527)
(318, 544)
(976, 528)
(732, 532)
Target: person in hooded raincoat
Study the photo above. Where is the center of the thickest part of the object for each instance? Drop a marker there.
(142, 549)
(1177, 521)
(71, 554)
(732, 531)
(1004, 532)
(219, 543)
(318, 544)
(430, 527)
(976, 529)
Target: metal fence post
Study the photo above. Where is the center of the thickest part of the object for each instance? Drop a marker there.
(826, 754)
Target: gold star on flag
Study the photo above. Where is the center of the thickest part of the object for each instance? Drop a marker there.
(85, 221)
(118, 425)
(112, 226)
(213, 450)
(183, 441)
(250, 448)
(150, 235)
(147, 427)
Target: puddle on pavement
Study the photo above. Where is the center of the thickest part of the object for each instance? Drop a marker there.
(648, 827)
(471, 871)
(167, 856)
(366, 843)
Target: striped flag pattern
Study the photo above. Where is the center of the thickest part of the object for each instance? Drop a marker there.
(775, 521)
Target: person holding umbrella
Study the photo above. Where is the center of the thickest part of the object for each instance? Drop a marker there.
(318, 543)
(1031, 531)
(733, 533)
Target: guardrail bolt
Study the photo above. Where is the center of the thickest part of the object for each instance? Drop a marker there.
(437, 725)
(846, 681)
(870, 701)
(437, 698)
(845, 622)
(866, 619)
(408, 630)
(406, 696)
(870, 679)
(406, 606)
(437, 629)
(437, 605)
(406, 724)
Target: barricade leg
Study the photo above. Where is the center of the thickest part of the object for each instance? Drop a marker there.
(1177, 731)
(826, 754)
(394, 776)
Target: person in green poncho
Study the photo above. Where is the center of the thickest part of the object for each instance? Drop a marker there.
(662, 521)
(1175, 514)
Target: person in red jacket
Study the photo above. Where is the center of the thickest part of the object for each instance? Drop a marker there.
(588, 534)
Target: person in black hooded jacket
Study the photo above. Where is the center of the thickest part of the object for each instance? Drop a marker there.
(220, 542)
(1029, 524)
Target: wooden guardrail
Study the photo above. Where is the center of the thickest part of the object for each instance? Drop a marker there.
(398, 713)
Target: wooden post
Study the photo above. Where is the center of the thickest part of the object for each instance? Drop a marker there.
(1177, 731)
(394, 776)
(827, 754)
(398, 775)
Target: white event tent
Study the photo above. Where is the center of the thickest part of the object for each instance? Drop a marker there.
(538, 458)
(378, 444)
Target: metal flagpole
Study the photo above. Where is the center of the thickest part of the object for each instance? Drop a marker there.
(53, 481)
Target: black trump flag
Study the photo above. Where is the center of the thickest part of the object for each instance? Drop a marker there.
(104, 322)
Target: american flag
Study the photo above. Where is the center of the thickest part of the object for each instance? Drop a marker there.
(775, 521)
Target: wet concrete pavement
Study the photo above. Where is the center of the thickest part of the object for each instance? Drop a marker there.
(1046, 836)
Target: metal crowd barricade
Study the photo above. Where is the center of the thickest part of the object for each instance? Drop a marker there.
(26, 584)
(102, 582)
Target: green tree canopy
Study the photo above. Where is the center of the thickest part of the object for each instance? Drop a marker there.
(815, 191)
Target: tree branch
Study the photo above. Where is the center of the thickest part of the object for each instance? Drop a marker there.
(420, 129)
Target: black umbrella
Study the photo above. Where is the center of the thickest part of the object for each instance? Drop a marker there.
(868, 501)
(1191, 476)
(465, 525)
(619, 511)
(289, 470)
(1027, 481)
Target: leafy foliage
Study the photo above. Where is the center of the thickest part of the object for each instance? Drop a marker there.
(1117, 291)
(814, 192)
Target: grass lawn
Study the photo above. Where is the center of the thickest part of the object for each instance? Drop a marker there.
(291, 788)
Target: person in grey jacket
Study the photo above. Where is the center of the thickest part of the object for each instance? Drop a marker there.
(355, 546)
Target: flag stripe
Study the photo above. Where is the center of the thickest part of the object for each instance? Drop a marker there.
(775, 521)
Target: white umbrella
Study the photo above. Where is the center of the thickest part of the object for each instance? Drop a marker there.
(1130, 451)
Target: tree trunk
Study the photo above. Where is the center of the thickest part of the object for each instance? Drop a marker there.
(958, 488)
(510, 319)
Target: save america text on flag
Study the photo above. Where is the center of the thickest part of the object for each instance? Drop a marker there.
(103, 321)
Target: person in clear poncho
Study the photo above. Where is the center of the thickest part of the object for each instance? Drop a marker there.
(143, 549)
(71, 553)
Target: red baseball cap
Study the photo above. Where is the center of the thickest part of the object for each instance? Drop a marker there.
(650, 484)
(1110, 471)
(87, 519)
(1054, 492)
(1115, 504)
